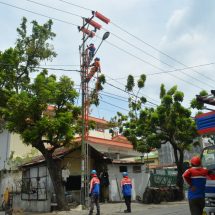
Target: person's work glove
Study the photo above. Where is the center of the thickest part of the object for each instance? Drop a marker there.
(193, 188)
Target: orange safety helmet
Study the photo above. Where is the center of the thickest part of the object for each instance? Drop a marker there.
(195, 161)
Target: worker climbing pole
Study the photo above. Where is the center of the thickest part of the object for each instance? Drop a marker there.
(88, 71)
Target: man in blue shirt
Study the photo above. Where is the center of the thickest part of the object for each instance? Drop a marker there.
(94, 192)
(126, 187)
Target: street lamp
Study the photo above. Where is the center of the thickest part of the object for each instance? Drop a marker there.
(104, 37)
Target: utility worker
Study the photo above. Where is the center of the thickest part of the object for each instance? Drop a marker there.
(91, 52)
(95, 68)
(94, 192)
(126, 187)
(195, 177)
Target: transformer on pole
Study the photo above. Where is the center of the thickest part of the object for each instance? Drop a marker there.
(86, 75)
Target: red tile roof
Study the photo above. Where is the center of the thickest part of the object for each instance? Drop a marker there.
(102, 141)
(39, 159)
(98, 120)
(120, 138)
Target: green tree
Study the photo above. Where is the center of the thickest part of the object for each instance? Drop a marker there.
(196, 103)
(169, 122)
(27, 114)
(24, 104)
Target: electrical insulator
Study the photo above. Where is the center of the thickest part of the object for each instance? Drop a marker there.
(93, 23)
(101, 17)
(86, 31)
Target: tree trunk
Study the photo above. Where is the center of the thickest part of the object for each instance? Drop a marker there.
(179, 163)
(55, 174)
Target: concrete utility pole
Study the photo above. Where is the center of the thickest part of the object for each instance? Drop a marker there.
(85, 78)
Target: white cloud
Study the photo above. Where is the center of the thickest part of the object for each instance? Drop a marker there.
(182, 29)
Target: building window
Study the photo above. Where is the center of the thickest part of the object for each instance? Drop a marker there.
(34, 184)
(73, 183)
(123, 169)
(136, 169)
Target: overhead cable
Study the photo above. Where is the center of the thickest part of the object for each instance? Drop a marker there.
(39, 14)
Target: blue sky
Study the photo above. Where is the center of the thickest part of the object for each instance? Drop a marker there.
(183, 30)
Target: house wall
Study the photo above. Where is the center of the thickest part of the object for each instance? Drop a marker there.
(11, 142)
(4, 148)
(72, 162)
(13, 180)
(139, 181)
(29, 202)
(10, 180)
(101, 134)
(16, 144)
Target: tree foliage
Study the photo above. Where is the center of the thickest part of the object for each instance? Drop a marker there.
(28, 112)
(195, 103)
(168, 122)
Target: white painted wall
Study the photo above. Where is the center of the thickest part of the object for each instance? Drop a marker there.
(101, 134)
(11, 142)
(139, 181)
(12, 181)
(4, 148)
(17, 145)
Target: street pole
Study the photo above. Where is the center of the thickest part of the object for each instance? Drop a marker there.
(83, 151)
(84, 66)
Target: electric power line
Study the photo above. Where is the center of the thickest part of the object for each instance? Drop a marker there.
(124, 86)
(127, 92)
(156, 49)
(113, 105)
(106, 41)
(75, 5)
(140, 49)
(54, 8)
(47, 6)
(40, 67)
(158, 73)
(39, 14)
(147, 52)
(152, 65)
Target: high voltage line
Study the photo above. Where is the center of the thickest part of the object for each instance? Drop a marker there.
(49, 17)
(161, 52)
(132, 46)
(124, 85)
(137, 38)
(39, 14)
(175, 70)
(163, 71)
(108, 43)
(128, 43)
(157, 59)
(154, 65)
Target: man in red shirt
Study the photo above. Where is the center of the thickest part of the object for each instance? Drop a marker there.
(195, 177)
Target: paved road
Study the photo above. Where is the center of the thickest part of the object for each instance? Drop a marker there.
(173, 208)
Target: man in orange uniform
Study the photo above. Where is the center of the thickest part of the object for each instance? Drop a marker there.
(95, 68)
(195, 177)
(126, 186)
(94, 192)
